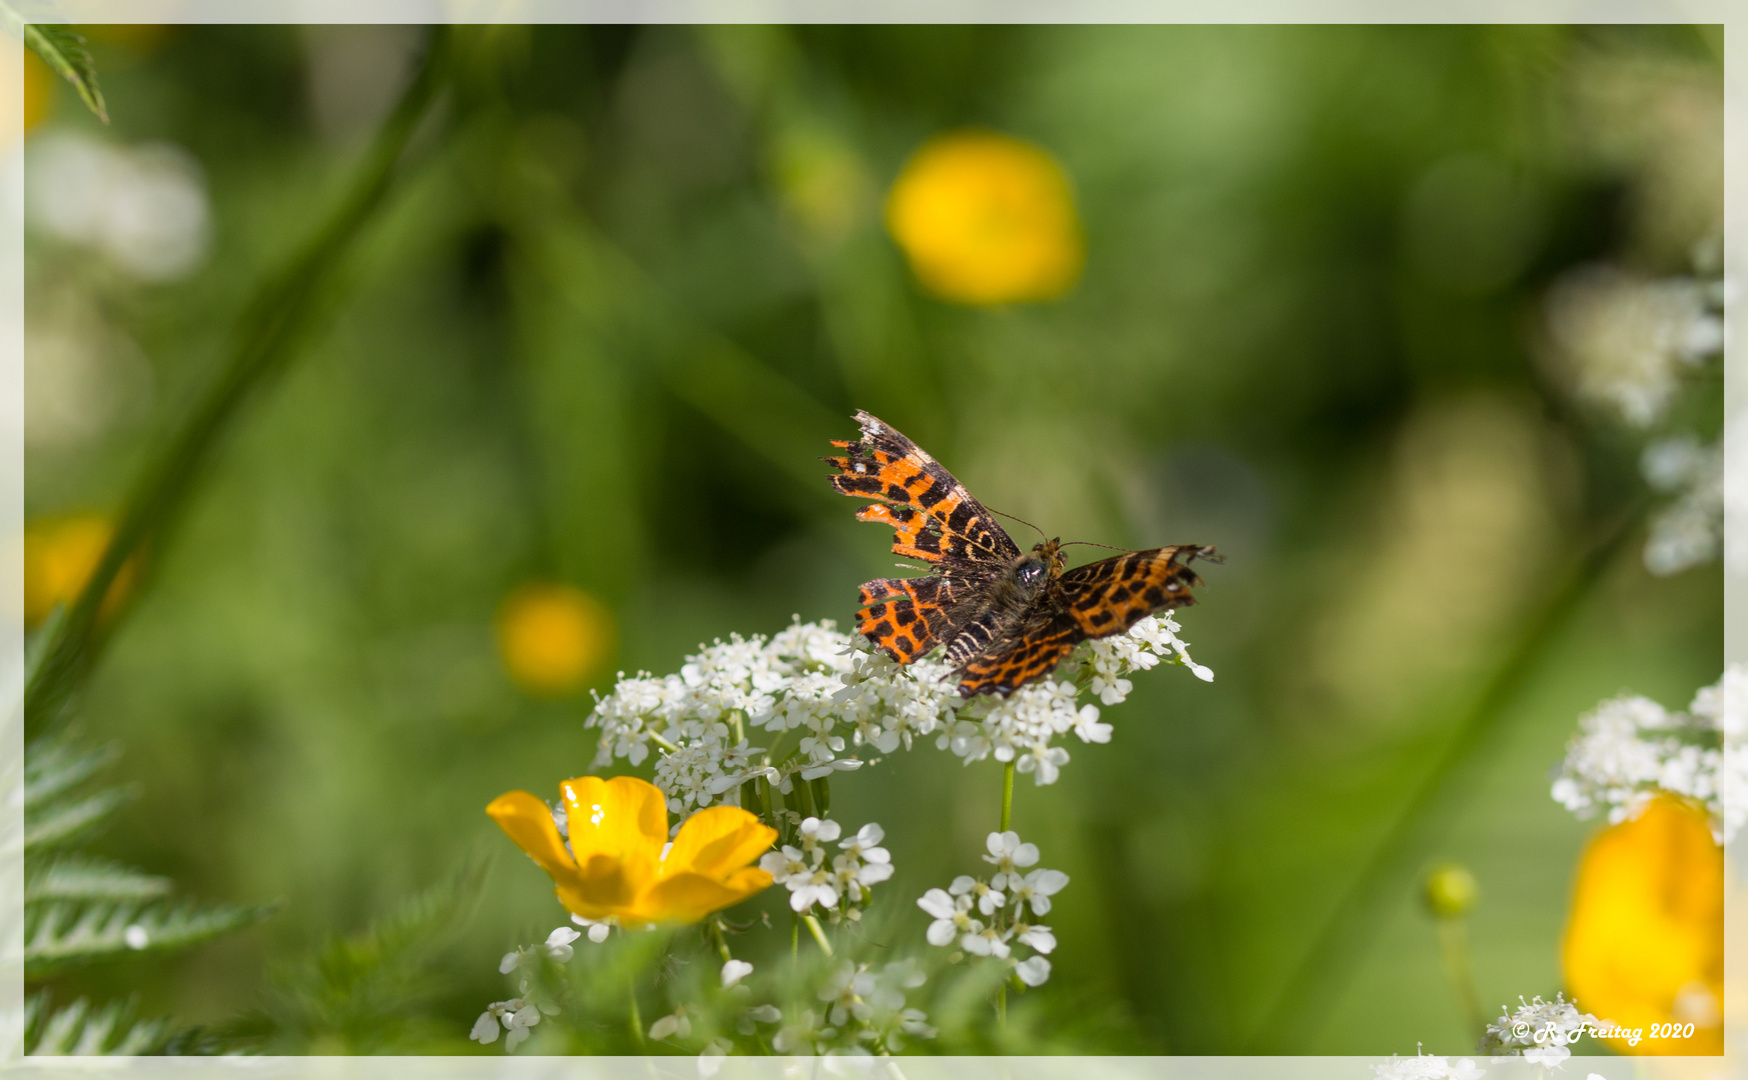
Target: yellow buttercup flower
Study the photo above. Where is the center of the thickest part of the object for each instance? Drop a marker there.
(552, 637)
(59, 555)
(986, 218)
(616, 868)
(1645, 946)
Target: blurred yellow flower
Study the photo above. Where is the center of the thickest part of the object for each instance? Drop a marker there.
(1645, 946)
(59, 555)
(617, 829)
(986, 219)
(552, 637)
(39, 90)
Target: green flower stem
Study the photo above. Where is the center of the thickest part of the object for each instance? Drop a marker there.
(720, 938)
(636, 1015)
(283, 315)
(1007, 795)
(818, 933)
(1312, 986)
(1453, 941)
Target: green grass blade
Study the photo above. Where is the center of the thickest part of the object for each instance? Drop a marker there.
(283, 315)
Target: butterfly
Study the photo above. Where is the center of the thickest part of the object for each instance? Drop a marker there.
(1004, 616)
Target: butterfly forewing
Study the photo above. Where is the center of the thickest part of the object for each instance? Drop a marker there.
(932, 515)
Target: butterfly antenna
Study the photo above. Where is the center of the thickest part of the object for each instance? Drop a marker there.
(1022, 521)
(1089, 543)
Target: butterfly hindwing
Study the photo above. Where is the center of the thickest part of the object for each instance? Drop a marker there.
(905, 617)
(1111, 595)
(932, 515)
(1036, 652)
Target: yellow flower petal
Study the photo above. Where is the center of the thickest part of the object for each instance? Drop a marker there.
(717, 840)
(1645, 944)
(688, 897)
(529, 823)
(620, 817)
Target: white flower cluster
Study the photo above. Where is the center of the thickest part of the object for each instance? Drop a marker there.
(1688, 530)
(520, 1013)
(837, 693)
(840, 889)
(144, 207)
(1625, 340)
(863, 1013)
(1011, 896)
(1428, 1067)
(1539, 1031)
(1631, 749)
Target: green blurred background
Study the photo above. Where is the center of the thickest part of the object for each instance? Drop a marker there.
(634, 278)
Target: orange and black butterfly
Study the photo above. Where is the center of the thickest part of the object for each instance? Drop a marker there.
(1005, 616)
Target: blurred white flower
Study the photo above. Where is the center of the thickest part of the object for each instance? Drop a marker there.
(597, 929)
(1034, 971)
(677, 1024)
(1630, 749)
(516, 1016)
(1624, 340)
(144, 207)
(1689, 530)
(1428, 1067)
(710, 1058)
(734, 971)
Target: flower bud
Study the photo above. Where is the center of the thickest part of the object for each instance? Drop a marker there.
(1450, 891)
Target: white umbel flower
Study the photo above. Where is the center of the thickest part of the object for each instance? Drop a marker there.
(1630, 749)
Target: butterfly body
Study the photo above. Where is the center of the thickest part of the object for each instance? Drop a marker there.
(1005, 617)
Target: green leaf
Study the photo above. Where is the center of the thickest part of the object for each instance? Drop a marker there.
(52, 767)
(61, 48)
(60, 823)
(64, 934)
(82, 877)
(78, 1029)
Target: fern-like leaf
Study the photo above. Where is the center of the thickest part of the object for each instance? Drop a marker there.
(83, 877)
(53, 766)
(61, 48)
(58, 824)
(80, 1030)
(63, 934)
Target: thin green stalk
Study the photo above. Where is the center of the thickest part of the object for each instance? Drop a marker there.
(720, 938)
(1453, 940)
(283, 315)
(794, 938)
(1007, 795)
(636, 1015)
(1310, 990)
(818, 933)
